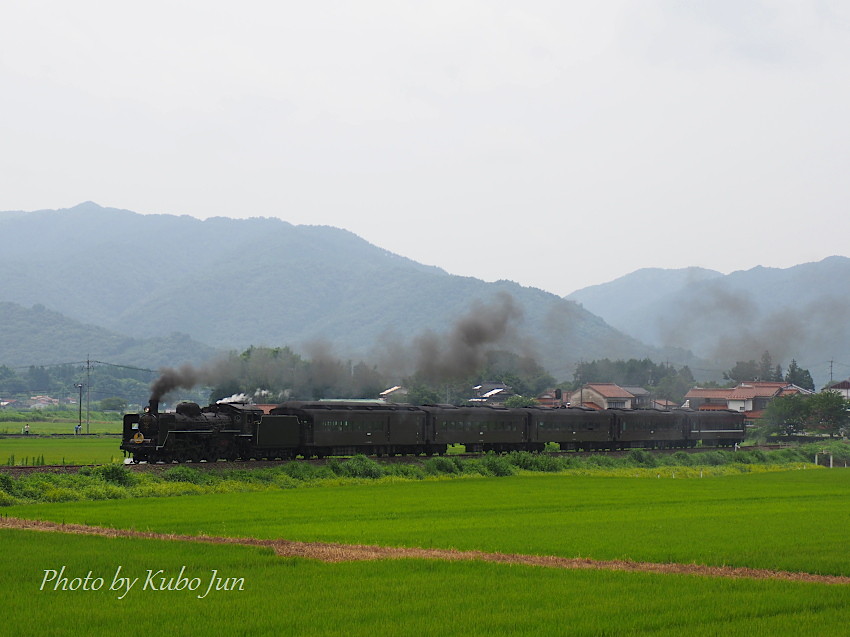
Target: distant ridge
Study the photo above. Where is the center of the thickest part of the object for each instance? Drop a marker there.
(38, 336)
(798, 312)
(232, 283)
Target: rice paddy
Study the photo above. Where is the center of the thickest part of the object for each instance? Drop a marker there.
(792, 520)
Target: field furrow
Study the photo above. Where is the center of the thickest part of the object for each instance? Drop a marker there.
(333, 552)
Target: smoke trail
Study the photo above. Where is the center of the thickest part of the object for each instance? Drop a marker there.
(186, 377)
(436, 357)
(463, 350)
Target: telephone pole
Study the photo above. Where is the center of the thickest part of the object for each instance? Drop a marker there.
(80, 403)
(88, 391)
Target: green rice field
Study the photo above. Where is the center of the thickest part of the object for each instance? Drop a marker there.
(287, 596)
(33, 449)
(794, 520)
(60, 426)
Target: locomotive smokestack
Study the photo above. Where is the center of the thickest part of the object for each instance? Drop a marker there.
(153, 406)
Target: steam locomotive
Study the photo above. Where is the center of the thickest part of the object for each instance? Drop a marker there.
(237, 431)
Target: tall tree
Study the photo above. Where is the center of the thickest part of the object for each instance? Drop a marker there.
(765, 370)
(828, 412)
(742, 371)
(799, 376)
(787, 414)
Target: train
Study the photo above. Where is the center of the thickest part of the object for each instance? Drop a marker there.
(307, 429)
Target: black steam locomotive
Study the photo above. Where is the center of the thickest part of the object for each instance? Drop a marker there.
(236, 431)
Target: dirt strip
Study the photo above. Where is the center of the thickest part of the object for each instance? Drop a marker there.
(327, 552)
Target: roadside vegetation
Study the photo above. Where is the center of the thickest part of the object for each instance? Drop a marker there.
(117, 481)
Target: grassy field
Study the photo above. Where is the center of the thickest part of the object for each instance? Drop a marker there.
(60, 427)
(793, 520)
(285, 596)
(29, 450)
(790, 520)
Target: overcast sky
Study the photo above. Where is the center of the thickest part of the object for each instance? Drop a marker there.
(556, 144)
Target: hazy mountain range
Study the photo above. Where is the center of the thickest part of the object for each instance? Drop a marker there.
(799, 312)
(156, 290)
(227, 284)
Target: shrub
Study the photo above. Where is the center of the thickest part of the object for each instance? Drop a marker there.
(497, 465)
(680, 459)
(7, 499)
(600, 460)
(523, 460)
(404, 470)
(116, 474)
(713, 458)
(104, 492)
(536, 461)
(781, 456)
(184, 474)
(304, 471)
(442, 464)
(166, 489)
(60, 494)
(235, 486)
(285, 481)
(7, 484)
(361, 467)
(641, 458)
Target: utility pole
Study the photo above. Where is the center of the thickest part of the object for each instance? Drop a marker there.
(88, 392)
(80, 403)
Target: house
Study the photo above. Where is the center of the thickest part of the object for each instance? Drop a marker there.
(603, 396)
(642, 400)
(490, 392)
(750, 397)
(394, 394)
(842, 387)
(701, 399)
(553, 398)
(662, 403)
(42, 402)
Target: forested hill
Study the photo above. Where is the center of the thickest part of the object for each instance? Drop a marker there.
(233, 283)
(40, 336)
(793, 313)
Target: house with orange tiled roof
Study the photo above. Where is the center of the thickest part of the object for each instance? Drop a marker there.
(553, 398)
(708, 399)
(662, 403)
(751, 397)
(603, 396)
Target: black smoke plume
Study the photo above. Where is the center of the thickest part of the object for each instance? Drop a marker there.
(276, 373)
(185, 377)
(463, 350)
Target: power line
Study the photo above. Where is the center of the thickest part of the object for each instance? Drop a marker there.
(88, 363)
